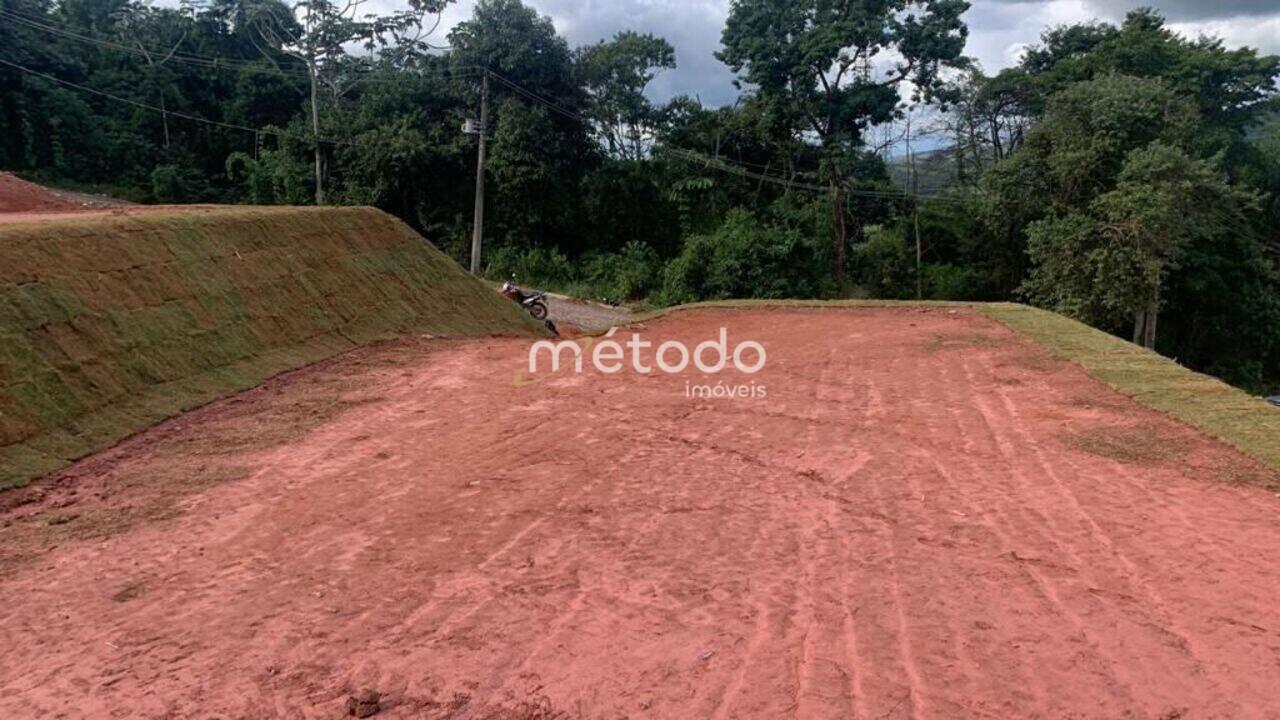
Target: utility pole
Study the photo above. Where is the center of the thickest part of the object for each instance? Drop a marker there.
(915, 204)
(478, 230)
(315, 133)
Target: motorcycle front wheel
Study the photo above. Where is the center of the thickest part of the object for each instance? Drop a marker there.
(538, 310)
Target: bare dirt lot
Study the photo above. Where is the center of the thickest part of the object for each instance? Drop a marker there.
(20, 199)
(19, 196)
(926, 517)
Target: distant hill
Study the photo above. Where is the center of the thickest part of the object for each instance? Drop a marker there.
(936, 170)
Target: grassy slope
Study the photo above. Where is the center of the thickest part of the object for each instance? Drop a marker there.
(1211, 406)
(111, 324)
(1203, 402)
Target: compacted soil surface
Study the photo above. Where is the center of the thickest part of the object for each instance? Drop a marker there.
(924, 516)
(20, 199)
(19, 196)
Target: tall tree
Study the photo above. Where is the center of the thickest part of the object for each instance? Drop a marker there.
(615, 74)
(821, 65)
(1114, 256)
(1122, 199)
(156, 34)
(987, 120)
(319, 32)
(539, 148)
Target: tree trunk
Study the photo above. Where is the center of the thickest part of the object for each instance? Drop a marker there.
(1145, 324)
(1153, 314)
(164, 120)
(840, 235)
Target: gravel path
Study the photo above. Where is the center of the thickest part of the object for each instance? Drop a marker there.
(588, 317)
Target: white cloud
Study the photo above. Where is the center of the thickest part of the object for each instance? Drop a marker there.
(999, 30)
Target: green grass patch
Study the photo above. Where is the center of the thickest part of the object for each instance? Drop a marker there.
(1211, 406)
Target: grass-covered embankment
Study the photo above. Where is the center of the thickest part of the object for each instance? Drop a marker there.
(111, 324)
(1211, 406)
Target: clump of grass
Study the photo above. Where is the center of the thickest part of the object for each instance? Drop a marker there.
(1137, 445)
(960, 341)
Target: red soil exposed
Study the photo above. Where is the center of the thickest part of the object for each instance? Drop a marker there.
(926, 517)
(79, 212)
(19, 196)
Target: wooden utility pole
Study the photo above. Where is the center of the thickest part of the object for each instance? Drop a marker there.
(478, 231)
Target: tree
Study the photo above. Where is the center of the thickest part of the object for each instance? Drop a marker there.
(1091, 128)
(988, 119)
(1230, 88)
(156, 34)
(814, 63)
(510, 38)
(318, 32)
(615, 74)
(1113, 257)
(539, 149)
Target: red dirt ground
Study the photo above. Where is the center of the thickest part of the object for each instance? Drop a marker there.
(80, 212)
(19, 196)
(925, 518)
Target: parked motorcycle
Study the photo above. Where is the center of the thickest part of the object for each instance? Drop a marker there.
(535, 303)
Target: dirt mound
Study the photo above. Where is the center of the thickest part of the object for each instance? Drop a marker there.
(18, 195)
(109, 324)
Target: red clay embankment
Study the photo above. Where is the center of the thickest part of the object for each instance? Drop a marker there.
(19, 196)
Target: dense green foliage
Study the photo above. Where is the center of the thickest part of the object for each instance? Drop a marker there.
(1120, 173)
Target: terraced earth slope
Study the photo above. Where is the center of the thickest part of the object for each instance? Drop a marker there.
(112, 322)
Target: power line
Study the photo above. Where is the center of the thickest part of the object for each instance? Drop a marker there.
(174, 113)
(719, 163)
(215, 62)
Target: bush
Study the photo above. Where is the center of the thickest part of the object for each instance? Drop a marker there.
(273, 178)
(632, 274)
(533, 266)
(953, 282)
(885, 265)
(745, 258)
(176, 184)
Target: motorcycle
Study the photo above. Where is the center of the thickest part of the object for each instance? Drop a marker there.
(535, 303)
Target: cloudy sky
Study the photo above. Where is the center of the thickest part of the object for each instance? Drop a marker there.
(998, 29)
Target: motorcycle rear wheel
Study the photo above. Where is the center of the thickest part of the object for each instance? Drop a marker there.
(538, 310)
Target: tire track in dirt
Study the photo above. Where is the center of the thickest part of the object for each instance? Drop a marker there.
(899, 530)
(1155, 613)
(1056, 580)
(1002, 516)
(1070, 477)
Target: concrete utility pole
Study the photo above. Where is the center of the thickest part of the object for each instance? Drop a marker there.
(315, 135)
(478, 230)
(914, 179)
